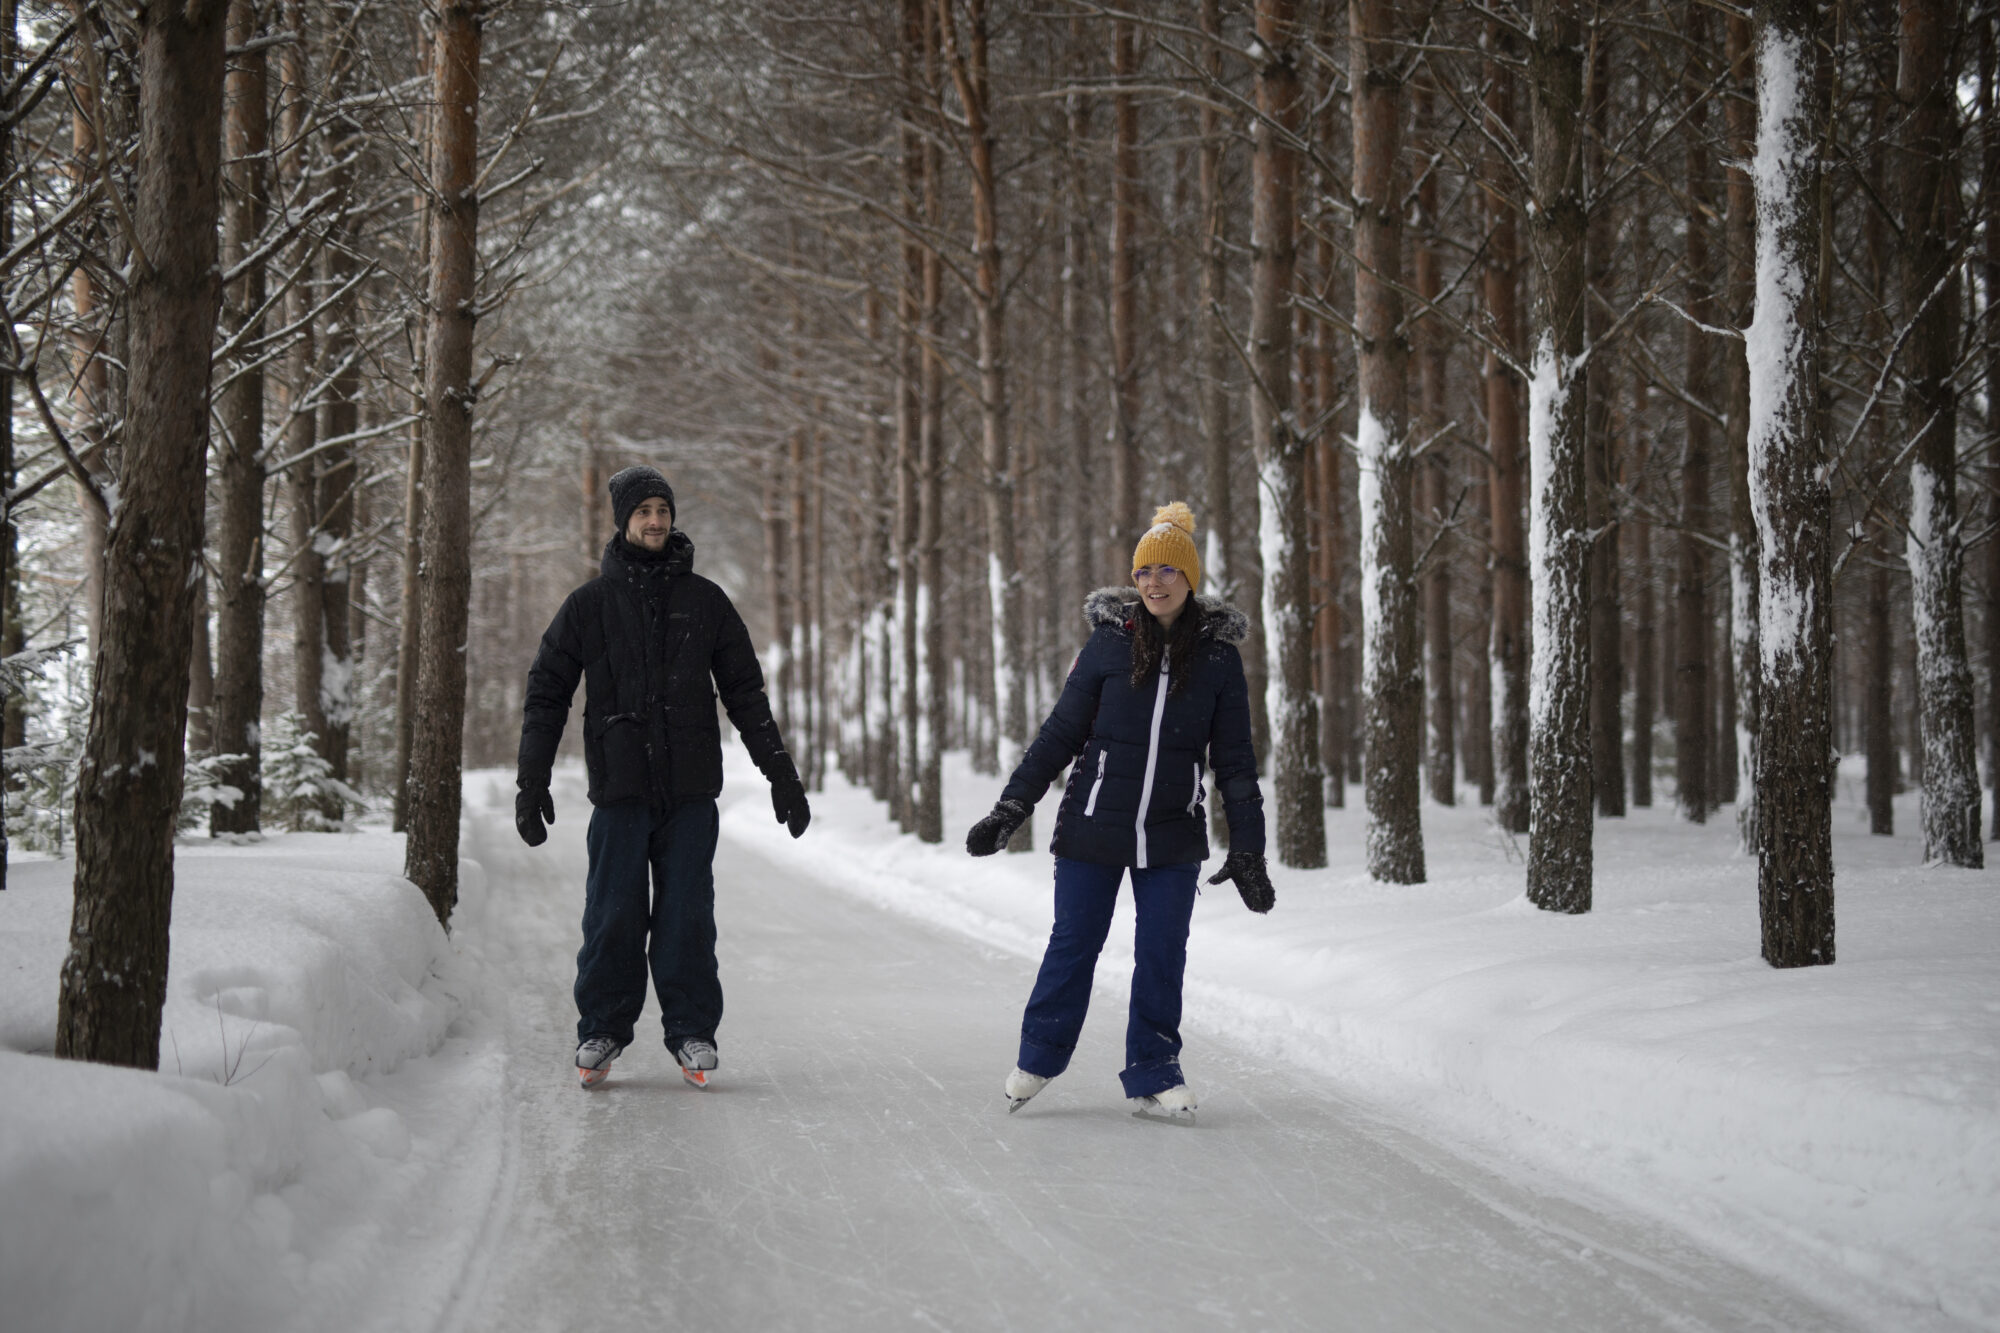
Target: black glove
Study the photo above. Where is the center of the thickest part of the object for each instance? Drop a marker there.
(788, 800)
(532, 808)
(1252, 881)
(990, 834)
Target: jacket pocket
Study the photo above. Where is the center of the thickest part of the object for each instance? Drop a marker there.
(1090, 806)
(694, 749)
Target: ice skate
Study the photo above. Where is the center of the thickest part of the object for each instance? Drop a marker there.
(1021, 1085)
(1173, 1106)
(695, 1057)
(593, 1060)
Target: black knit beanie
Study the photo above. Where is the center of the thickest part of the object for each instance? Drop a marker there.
(632, 487)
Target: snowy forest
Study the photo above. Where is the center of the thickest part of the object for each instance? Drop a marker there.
(1590, 405)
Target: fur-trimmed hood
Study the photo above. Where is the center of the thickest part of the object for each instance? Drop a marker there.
(1117, 604)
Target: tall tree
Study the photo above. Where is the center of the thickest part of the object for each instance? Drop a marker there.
(1126, 188)
(1559, 838)
(1693, 714)
(1296, 777)
(431, 854)
(1441, 704)
(1927, 87)
(239, 583)
(1392, 649)
(1740, 231)
(971, 76)
(1500, 286)
(1607, 666)
(1791, 498)
(114, 978)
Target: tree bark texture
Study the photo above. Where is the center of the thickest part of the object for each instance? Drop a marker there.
(129, 782)
(239, 555)
(1127, 522)
(1790, 499)
(933, 670)
(1693, 713)
(1441, 699)
(1989, 94)
(1740, 229)
(1559, 836)
(1392, 681)
(1928, 194)
(1607, 666)
(1879, 740)
(1507, 645)
(431, 855)
(1282, 535)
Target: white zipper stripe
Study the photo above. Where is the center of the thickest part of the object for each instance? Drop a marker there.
(1090, 806)
(1194, 801)
(1152, 760)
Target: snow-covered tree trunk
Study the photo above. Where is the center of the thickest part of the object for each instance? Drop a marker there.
(239, 584)
(1392, 679)
(1791, 500)
(114, 978)
(1740, 228)
(430, 858)
(1559, 835)
(1928, 190)
(1507, 645)
(1295, 772)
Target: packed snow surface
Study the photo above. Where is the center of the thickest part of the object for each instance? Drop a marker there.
(1421, 1106)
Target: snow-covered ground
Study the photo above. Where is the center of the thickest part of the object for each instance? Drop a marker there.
(1411, 1096)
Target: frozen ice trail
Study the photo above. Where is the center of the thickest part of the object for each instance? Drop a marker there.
(854, 1166)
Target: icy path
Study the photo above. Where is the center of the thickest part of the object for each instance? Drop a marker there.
(855, 1168)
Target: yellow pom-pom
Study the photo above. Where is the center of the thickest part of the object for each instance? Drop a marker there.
(1177, 514)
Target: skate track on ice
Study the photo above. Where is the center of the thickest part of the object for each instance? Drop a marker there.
(853, 1167)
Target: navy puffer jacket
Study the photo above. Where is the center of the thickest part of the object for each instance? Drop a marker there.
(1139, 754)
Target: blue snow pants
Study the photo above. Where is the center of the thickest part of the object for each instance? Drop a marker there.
(1163, 897)
(670, 921)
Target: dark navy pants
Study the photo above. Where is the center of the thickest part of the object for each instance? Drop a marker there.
(650, 896)
(1163, 897)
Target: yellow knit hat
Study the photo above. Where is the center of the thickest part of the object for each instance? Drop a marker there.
(1170, 541)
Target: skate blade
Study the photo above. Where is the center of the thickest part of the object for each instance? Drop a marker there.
(696, 1078)
(590, 1078)
(1163, 1116)
(1015, 1103)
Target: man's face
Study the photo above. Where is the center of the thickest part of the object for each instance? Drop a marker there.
(650, 523)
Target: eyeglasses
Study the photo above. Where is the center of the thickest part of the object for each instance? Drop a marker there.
(1155, 573)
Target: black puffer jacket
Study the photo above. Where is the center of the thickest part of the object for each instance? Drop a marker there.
(1139, 753)
(653, 642)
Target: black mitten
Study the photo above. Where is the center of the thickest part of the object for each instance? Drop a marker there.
(788, 802)
(990, 834)
(1253, 882)
(534, 807)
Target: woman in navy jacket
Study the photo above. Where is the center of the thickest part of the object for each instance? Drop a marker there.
(1157, 696)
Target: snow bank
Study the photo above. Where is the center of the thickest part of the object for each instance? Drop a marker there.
(1836, 1127)
(248, 1178)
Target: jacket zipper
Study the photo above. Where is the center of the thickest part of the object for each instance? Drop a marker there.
(1152, 760)
(1091, 805)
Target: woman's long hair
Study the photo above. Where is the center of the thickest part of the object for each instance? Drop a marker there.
(1178, 643)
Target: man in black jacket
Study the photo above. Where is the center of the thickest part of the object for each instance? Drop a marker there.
(654, 643)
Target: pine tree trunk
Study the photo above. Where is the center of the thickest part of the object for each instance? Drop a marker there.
(1607, 666)
(1880, 738)
(909, 425)
(1740, 229)
(431, 856)
(1392, 649)
(1441, 732)
(239, 556)
(1219, 559)
(1300, 817)
(1930, 215)
(1507, 646)
(336, 494)
(1989, 120)
(1559, 838)
(308, 562)
(1126, 519)
(1693, 720)
(1791, 500)
(92, 403)
(13, 710)
(1644, 687)
(1477, 733)
(933, 668)
(409, 641)
(129, 785)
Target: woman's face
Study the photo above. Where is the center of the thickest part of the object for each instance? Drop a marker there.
(1164, 590)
